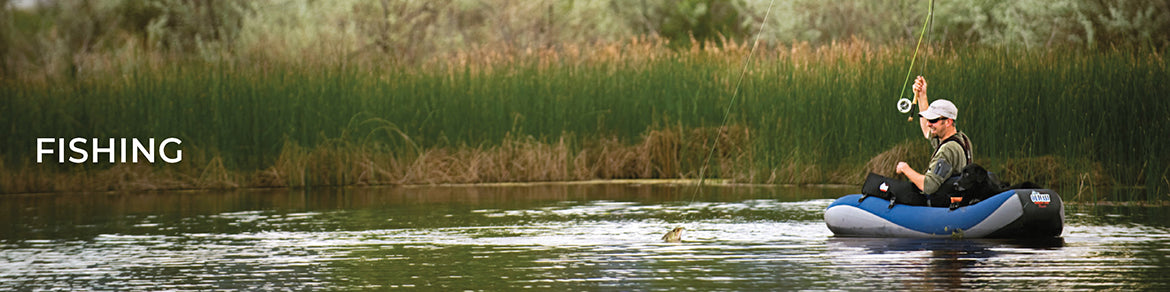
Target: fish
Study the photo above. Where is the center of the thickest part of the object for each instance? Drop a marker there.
(674, 235)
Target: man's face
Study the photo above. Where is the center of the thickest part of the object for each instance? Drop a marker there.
(938, 126)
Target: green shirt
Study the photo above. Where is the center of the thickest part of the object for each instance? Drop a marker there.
(948, 160)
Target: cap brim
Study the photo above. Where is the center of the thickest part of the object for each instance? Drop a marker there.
(929, 115)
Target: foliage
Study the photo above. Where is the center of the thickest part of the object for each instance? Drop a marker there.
(186, 26)
(1077, 23)
(698, 20)
(414, 30)
(1087, 24)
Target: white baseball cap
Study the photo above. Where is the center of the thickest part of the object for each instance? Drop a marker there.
(940, 108)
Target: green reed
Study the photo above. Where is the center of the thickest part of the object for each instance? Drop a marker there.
(832, 107)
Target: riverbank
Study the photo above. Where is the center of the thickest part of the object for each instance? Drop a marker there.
(521, 162)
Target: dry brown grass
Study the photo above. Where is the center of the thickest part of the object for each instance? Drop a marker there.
(1051, 171)
(1087, 178)
(914, 152)
(25, 179)
(795, 171)
(661, 153)
(81, 178)
(664, 148)
(516, 159)
(732, 152)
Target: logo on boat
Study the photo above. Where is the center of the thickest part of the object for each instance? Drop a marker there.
(884, 187)
(1041, 200)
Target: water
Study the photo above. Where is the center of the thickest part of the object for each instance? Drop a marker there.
(579, 237)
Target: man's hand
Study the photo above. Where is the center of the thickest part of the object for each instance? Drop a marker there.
(920, 94)
(920, 86)
(901, 167)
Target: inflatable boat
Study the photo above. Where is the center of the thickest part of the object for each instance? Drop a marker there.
(1017, 213)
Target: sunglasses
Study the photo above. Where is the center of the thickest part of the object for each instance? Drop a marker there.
(936, 120)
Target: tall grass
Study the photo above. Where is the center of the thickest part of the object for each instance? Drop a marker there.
(803, 114)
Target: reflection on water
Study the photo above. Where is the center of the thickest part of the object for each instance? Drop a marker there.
(595, 236)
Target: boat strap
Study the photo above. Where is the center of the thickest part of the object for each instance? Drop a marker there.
(965, 143)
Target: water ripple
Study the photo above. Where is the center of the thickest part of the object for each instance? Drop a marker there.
(607, 244)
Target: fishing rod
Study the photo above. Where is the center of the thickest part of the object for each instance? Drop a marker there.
(675, 235)
(905, 104)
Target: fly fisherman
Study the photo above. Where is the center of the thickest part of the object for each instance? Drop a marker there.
(938, 125)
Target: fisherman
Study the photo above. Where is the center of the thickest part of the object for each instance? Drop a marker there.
(952, 148)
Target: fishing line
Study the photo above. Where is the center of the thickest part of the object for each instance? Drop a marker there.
(904, 104)
(929, 32)
(734, 94)
(727, 112)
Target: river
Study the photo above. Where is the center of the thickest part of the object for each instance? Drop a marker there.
(561, 237)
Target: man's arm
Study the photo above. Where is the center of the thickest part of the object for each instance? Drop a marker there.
(917, 178)
(923, 104)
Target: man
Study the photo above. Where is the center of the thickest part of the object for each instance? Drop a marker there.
(952, 148)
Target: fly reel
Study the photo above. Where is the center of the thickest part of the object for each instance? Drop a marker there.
(904, 105)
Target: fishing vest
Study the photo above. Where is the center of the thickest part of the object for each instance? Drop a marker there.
(965, 143)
